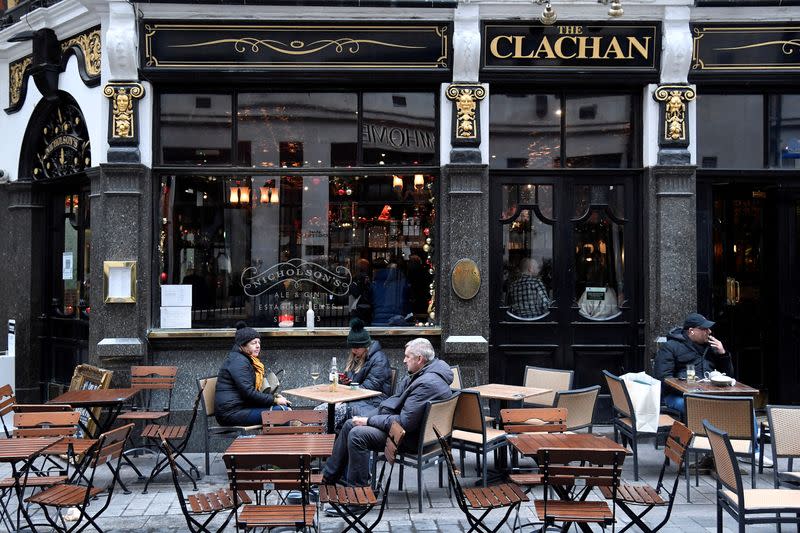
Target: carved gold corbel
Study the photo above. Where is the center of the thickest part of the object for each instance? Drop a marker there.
(16, 77)
(675, 127)
(466, 98)
(89, 45)
(123, 98)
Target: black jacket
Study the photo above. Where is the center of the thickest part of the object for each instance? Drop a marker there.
(236, 390)
(375, 374)
(679, 351)
(407, 406)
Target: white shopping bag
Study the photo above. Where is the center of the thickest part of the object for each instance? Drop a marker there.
(645, 393)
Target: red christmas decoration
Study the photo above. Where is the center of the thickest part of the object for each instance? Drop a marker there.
(163, 277)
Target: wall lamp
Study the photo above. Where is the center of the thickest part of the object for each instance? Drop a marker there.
(616, 8)
(548, 15)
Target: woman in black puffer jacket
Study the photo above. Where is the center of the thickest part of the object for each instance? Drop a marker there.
(239, 400)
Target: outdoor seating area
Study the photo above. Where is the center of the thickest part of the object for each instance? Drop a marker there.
(66, 468)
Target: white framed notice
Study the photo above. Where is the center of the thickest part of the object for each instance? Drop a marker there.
(176, 317)
(176, 295)
(119, 282)
(67, 264)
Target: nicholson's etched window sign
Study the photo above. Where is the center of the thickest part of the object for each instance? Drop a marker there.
(583, 46)
(237, 46)
(296, 272)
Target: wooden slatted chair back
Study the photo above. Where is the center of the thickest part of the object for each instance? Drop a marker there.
(110, 445)
(548, 378)
(41, 407)
(396, 435)
(150, 379)
(601, 468)
(46, 424)
(248, 473)
(468, 415)
(534, 420)
(293, 422)
(7, 401)
(677, 442)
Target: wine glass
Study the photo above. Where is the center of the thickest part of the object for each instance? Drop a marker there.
(315, 372)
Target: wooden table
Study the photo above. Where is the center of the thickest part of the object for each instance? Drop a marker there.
(508, 393)
(111, 400)
(317, 445)
(706, 387)
(25, 450)
(529, 444)
(323, 393)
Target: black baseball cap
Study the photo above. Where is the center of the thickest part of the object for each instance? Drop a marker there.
(696, 320)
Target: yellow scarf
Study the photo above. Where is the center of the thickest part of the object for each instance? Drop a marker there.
(258, 366)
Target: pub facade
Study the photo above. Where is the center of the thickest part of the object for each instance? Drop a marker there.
(171, 169)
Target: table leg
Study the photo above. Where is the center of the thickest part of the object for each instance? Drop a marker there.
(331, 418)
(19, 488)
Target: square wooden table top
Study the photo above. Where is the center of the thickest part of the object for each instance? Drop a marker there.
(95, 397)
(706, 387)
(313, 444)
(13, 450)
(529, 444)
(322, 393)
(499, 391)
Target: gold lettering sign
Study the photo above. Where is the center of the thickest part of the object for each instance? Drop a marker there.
(576, 45)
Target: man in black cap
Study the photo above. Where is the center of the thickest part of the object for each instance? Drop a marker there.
(692, 344)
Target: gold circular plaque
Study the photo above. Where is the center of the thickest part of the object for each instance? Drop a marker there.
(466, 279)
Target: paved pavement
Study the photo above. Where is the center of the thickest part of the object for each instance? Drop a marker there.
(159, 510)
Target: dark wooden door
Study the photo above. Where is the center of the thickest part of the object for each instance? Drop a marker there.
(66, 285)
(580, 237)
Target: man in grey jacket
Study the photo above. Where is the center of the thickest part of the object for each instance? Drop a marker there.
(428, 379)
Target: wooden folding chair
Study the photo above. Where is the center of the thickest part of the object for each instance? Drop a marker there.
(107, 450)
(201, 508)
(354, 503)
(573, 483)
(178, 439)
(482, 500)
(7, 401)
(248, 473)
(644, 495)
(293, 422)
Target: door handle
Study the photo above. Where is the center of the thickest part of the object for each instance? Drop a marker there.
(730, 291)
(738, 291)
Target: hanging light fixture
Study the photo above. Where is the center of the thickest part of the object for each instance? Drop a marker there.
(397, 184)
(244, 195)
(264, 192)
(548, 15)
(274, 198)
(419, 181)
(234, 194)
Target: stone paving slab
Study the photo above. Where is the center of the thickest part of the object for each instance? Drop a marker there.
(159, 510)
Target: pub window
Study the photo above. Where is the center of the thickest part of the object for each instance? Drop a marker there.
(196, 131)
(599, 224)
(784, 123)
(528, 268)
(542, 130)
(292, 229)
(730, 130)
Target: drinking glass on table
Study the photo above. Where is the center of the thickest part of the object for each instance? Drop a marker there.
(315, 372)
(690, 375)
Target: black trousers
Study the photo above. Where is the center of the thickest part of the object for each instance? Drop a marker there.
(349, 463)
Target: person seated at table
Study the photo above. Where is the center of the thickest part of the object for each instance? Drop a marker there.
(428, 379)
(366, 365)
(239, 400)
(692, 344)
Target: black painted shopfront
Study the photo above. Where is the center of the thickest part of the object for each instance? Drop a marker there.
(566, 181)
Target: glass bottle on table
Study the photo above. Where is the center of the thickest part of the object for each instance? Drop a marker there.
(333, 377)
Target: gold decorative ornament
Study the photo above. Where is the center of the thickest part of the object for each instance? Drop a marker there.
(122, 97)
(16, 75)
(466, 279)
(675, 99)
(466, 98)
(89, 44)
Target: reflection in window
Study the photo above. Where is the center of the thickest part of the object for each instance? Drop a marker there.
(196, 130)
(599, 251)
(784, 124)
(262, 248)
(599, 133)
(293, 130)
(399, 129)
(741, 117)
(527, 250)
(525, 131)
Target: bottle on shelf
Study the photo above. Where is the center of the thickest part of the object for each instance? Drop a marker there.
(310, 317)
(333, 377)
